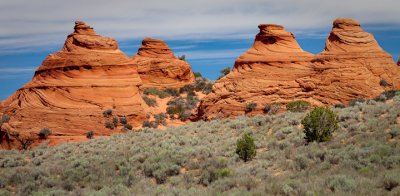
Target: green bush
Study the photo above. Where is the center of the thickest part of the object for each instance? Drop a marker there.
(160, 119)
(109, 125)
(319, 124)
(115, 121)
(182, 107)
(172, 92)
(154, 91)
(246, 148)
(383, 83)
(340, 183)
(197, 75)
(149, 124)
(250, 107)
(340, 105)
(44, 133)
(224, 72)
(128, 126)
(149, 101)
(356, 100)
(107, 113)
(123, 120)
(297, 106)
(272, 108)
(89, 134)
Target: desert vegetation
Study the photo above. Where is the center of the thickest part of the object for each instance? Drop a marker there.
(361, 157)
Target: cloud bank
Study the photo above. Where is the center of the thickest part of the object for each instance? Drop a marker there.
(28, 24)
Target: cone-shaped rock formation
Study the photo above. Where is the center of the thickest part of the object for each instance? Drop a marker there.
(158, 67)
(73, 86)
(276, 70)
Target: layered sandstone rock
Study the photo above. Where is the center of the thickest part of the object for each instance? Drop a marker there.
(274, 69)
(277, 70)
(72, 88)
(158, 67)
(352, 65)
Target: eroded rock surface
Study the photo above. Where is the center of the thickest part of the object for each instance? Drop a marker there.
(276, 70)
(159, 68)
(73, 86)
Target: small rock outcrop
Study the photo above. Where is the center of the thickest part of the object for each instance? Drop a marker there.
(73, 86)
(276, 70)
(159, 68)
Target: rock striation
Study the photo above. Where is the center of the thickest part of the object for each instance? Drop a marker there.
(276, 70)
(352, 65)
(73, 86)
(159, 68)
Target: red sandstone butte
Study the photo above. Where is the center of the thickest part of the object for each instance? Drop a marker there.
(159, 68)
(73, 86)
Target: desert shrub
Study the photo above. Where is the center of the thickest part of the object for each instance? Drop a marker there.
(197, 75)
(272, 108)
(4, 119)
(25, 140)
(356, 100)
(250, 107)
(162, 166)
(149, 101)
(154, 91)
(224, 72)
(128, 126)
(340, 183)
(90, 134)
(383, 83)
(109, 125)
(44, 133)
(319, 124)
(394, 132)
(380, 98)
(115, 121)
(297, 106)
(246, 148)
(391, 180)
(181, 106)
(123, 120)
(189, 88)
(172, 92)
(107, 112)
(183, 57)
(149, 124)
(212, 169)
(339, 105)
(390, 94)
(160, 119)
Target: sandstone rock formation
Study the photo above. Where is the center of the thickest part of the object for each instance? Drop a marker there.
(352, 65)
(73, 86)
(158, 67)
(276, 70)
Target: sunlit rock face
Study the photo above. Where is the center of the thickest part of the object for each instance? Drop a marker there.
(73, 86)
(276, 70)
(159, 68)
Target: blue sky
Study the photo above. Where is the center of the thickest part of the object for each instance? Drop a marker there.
(211, 33)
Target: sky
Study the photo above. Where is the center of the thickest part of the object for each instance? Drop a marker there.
(211, 33)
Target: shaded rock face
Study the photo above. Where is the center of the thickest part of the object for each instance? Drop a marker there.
(73, 86)
(276, 70)
(158, 67)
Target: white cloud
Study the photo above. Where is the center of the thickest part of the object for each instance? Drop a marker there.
(41, 22)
